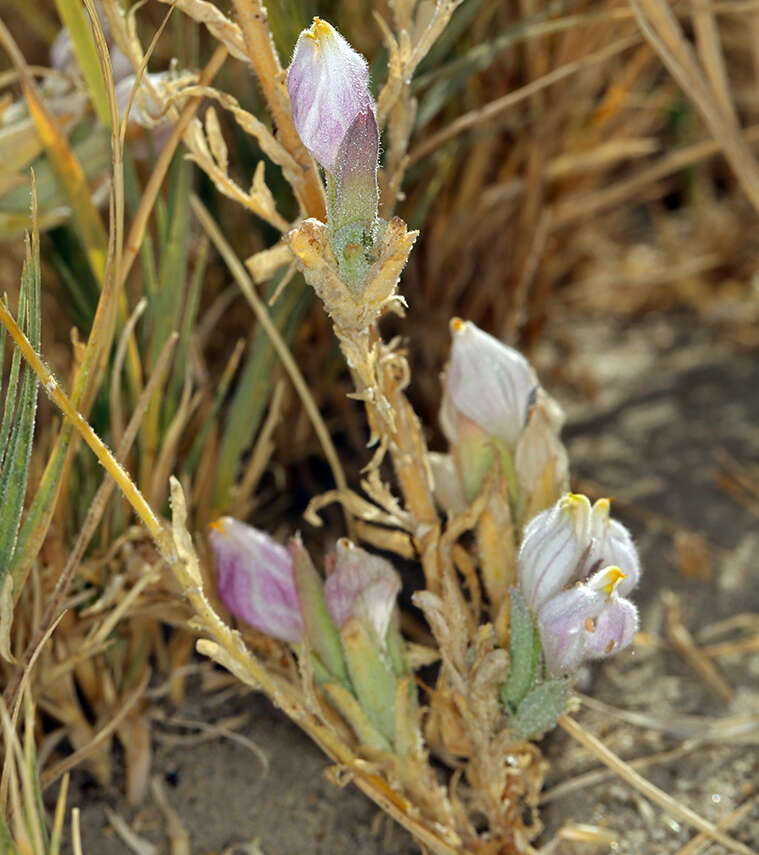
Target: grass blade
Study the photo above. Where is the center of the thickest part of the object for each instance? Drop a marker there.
(254, 387)
(74, 19)
(19, 433)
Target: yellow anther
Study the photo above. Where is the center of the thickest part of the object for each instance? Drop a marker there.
(614, 576)
(218, 525)
(457, 326)
(319, 30)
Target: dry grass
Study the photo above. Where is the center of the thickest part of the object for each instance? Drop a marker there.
(592, 157)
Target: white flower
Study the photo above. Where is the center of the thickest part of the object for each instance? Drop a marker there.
(589, 621)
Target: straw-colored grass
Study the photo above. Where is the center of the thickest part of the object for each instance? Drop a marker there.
(552, 157)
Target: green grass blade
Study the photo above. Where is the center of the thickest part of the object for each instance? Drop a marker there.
(133, 195)
(165, 307)
(37, 813)
(76, 21)
(15, 470)
(6, 840)
(193, 457)
(192, 303)
(254, 388)
(10, 395)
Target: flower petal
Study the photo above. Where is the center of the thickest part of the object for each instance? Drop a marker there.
(489, 382)
(553, 546)
(328, 83)
(255, 578)
(364, 586)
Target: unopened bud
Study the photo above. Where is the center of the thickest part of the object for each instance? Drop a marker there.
(328, 83)
(363, 586)
(255, 578)
(333, 113)
(487, 382)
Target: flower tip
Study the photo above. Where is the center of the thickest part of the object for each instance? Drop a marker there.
(575, 503)
(217, 525)
(457, 326)
(612, 576)
(318, 30)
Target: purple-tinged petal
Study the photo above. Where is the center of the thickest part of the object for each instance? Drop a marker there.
(614, 629)
(363, 586)
(589, 621)
(328, 83)
(255, 578)
(562, 623)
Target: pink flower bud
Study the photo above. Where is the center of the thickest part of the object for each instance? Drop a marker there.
(487, 382)
(362, 586)
(589, 621)
(328, 83)
(553, 551)
(255, 578)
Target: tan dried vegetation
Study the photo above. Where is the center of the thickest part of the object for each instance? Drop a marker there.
(527, 142)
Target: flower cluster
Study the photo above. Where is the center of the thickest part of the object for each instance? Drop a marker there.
(496, 415)
(348, 622)
(576, 568)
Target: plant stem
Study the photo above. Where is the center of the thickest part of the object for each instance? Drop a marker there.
(263, 57)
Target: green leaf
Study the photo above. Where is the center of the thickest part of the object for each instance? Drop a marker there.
(321, 631)
(540, 710)
(524, 649)
(373, 679)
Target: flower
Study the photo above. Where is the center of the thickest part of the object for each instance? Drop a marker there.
(360, 594)
(574, 543)
(488, 382)
(590, 621)
(363, 586)
(255, 578)
(328, 83)
(553, 550)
